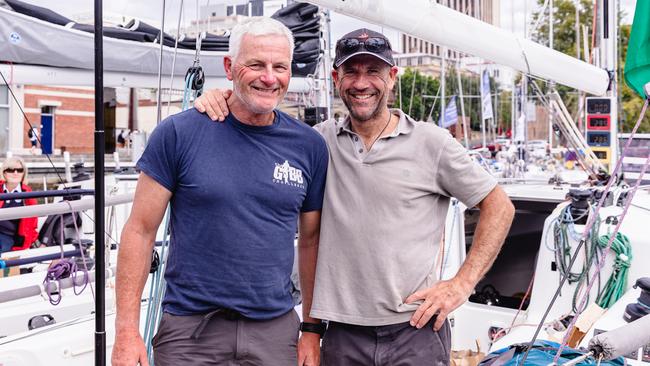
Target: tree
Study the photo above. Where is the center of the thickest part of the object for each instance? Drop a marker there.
(565, 42)
(426, 92)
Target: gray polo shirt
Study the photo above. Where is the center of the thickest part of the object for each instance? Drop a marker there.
(383, 217)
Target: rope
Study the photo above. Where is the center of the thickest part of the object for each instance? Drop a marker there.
(620, 221)
(590, 223)
(617, 283)
(564, 233)
(83, 256)
(49, 158)
(64, 268)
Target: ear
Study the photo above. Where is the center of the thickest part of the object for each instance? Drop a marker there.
(392, 76)
(227, 66)
(335, 77)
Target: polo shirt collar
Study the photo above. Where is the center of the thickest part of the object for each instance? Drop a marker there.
(404, 126)
(15, 190)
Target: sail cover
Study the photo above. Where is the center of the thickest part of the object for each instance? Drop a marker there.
(637, 64)
(38, 36)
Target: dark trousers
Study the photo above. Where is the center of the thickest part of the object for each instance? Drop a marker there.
(388, 345)
(6, 242)
(222, 338)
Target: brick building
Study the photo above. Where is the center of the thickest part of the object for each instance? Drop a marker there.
(72, 111)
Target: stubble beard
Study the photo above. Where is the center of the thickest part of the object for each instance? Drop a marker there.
(251, 104)
(361, 118)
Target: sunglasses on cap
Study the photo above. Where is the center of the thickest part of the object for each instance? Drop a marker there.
(372, 44)
(14, 170)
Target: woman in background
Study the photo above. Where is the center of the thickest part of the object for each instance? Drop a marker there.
(20, 233)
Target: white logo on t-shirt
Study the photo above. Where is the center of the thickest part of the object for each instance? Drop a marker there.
(286, 174)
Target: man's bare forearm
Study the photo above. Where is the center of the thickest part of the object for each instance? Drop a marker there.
(496, 214)
(307, 257)
(133, 264)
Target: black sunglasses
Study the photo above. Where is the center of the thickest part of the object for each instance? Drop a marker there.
(14, 170)
(372, 44)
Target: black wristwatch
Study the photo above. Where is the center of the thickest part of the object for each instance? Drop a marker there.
(318, 328)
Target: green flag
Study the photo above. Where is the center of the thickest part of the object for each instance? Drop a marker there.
(637, 65)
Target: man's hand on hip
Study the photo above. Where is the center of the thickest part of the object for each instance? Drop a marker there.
(309, 349)
(214, 103)
(129, 349)
(441, 299)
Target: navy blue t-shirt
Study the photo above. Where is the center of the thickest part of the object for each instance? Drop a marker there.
(237, 192)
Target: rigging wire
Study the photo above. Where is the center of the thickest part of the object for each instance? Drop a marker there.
(171, 76)
(590, 223)
(610, 241)
(38, 138)
(162, 42)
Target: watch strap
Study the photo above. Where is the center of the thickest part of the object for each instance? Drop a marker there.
(318, 328)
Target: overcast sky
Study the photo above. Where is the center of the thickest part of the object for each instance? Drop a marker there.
(152, 10)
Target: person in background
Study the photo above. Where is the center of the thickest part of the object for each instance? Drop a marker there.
(32, 133)
(20, 233)
(121, 141)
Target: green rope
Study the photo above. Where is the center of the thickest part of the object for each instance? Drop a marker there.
(563, 223)
(617, 282)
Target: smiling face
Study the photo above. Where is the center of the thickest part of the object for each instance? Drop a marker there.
(260, 72)
(13, 173)
(364, 82)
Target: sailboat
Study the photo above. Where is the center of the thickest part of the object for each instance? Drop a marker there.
(513, 300)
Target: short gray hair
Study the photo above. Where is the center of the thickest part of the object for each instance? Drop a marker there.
(257, 26)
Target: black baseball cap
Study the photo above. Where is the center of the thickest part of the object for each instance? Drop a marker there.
(363, 42)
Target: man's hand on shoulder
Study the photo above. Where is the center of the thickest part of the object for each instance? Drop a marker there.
(214, 103)
(129, 349)
(441, 299)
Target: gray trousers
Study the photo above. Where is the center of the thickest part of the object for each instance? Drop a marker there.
(221, 338)
(388, 345)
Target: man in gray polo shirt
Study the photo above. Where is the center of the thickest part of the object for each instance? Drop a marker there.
(389, 183)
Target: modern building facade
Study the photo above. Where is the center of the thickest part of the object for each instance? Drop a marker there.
(485, 10)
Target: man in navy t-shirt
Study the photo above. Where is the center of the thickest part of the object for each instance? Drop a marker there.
(237, 192)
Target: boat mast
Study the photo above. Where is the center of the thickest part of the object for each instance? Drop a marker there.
(609, 55)
(100, 264)
(551, 41)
